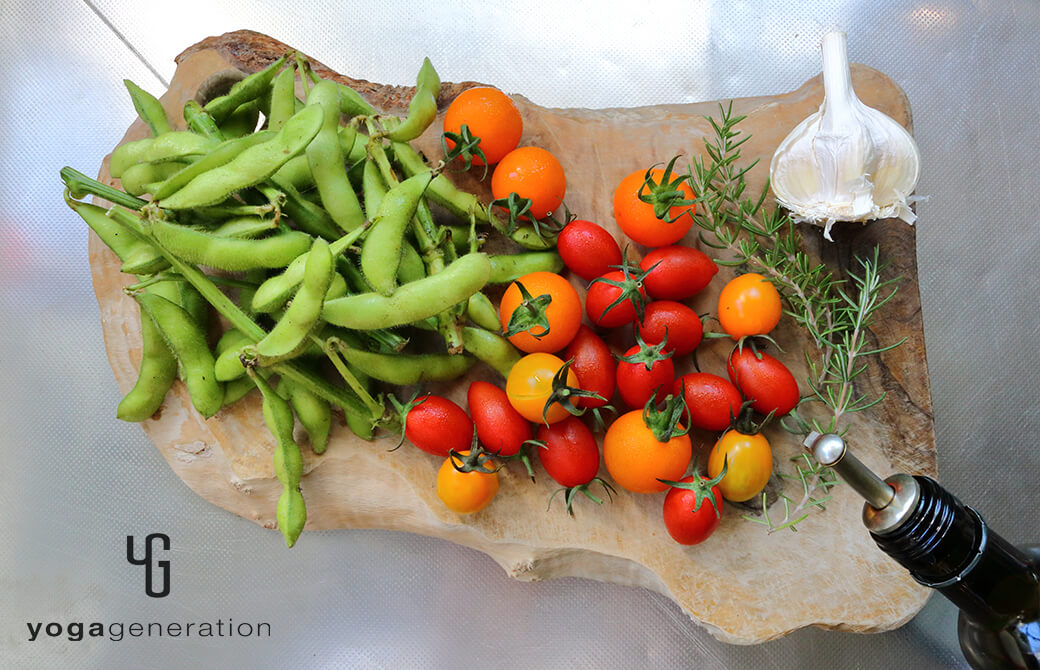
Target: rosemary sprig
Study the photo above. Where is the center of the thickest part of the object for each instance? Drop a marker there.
(836, 313)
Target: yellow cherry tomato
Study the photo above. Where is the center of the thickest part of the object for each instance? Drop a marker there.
(529, 386)
(466, 492)
(749, 462)
(749, 305)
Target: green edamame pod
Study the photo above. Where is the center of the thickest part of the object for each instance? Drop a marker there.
(155, 377)
(221, 154)
(171, 146)
(337, 288)
(194, 304)
(422, 109)
(482, 312)
(273, 293)
(414, 301)
(305, 309)
(148, 108)
(228, 253)
(200, 122)
(245, 227)
(353, 144)
(146, 177)
(493, 349)
(283, 98)
(144, 259)
(407, 369)
(308, 216)
(510, 267)
(236, 389)
(188, 342)
(373, 188)
(115, 236)
(296, 172)
(327, 163)
(441, 190)
(526, 236)
(291, 512)
(314, 413)
(381, 252)
(242, 121)
(412, 267)
(352, 104)
(228, 365)
(250, 167)
(246, 90)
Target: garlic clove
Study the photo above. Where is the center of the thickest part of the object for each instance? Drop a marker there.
(846, 162)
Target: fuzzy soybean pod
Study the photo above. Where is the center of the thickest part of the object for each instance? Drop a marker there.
(242, 121)
(373, 188)
(273, 293)
(422, 109)
(172, 146)
(327, 162)
(116, 237)
(144, 259)
(305, 309)
(250, 167)
(158, 367)
(352, 104)
(483, 312)
(493, 349)
(314, 413)
(412, 267)
(229, 253)
(147, 177)
(246, 90)
(221, 154)
(228, 365)
(414, 301)
(245, 227)
(407, 369)
(510, 267)
(148, 108)
(200, 121)
(291, 512)
(381, 252)
(283, 98)
(187, 340)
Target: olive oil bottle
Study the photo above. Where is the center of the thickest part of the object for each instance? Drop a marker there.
(947, 546)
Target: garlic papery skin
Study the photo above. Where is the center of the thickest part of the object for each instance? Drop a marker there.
(846, 162)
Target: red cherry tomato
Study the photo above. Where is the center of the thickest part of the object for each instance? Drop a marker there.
(437, 425)
(688, 523)
(763, 380)
(500, 428)
(712, 400)
(680, 273)
(587, 249)
(570, 455)
(601, 294)
(594, 366)
(636, 384)
(680, 323)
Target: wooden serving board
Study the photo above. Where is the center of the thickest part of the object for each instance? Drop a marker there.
(743, 585)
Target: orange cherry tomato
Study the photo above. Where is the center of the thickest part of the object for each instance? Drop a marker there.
(529, 386)
(466, 492)
(490, 115)
(636, 459)
(749, 462)
(749, 305)
(563, 313)
(636, 218)
(532, 173)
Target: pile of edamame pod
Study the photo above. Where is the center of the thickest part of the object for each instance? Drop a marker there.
(307, 226)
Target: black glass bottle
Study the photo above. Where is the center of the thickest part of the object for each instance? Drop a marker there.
(947, 546)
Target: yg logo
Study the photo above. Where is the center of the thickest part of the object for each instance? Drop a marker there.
(164, 566)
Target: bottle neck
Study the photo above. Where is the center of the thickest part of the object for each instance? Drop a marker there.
(947, 546)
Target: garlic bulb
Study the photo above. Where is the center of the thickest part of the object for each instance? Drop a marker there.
(846, 162)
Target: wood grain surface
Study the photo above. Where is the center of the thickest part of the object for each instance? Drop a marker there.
(744, 585)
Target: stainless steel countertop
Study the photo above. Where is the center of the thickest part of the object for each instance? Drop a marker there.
(75, 481)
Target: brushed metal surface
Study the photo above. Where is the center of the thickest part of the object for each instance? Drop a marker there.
(75, 481)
